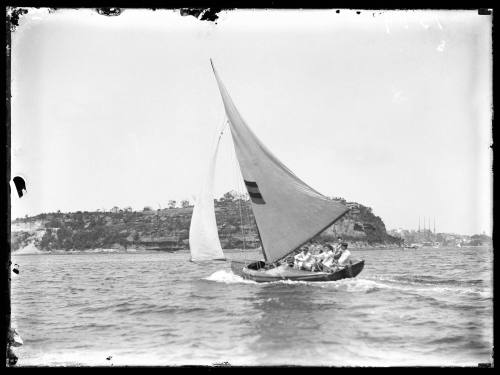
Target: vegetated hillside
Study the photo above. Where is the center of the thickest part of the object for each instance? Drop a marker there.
(168, 229)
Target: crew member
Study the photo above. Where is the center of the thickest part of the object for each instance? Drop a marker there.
(304, 260)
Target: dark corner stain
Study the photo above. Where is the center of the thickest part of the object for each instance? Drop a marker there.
(12, 358)
(20, 185)
(109, 11)
(484, 12)
(13, 17)
(203, 14)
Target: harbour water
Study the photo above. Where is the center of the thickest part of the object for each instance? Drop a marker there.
(407, 307)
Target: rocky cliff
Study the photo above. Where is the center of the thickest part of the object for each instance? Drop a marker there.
(168, 229)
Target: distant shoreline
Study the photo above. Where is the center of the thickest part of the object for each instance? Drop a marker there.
(168, 229)
(34, 251)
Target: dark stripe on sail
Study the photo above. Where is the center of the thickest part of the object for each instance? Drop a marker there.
(254, 192)
(250, 184)
(256, 198)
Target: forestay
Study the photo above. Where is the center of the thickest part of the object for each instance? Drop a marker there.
(288, 212)
(204, 242)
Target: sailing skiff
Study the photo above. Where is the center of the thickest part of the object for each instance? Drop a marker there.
(256, 271)
(288, 212)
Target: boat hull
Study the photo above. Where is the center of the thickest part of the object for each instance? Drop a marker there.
(241, 269)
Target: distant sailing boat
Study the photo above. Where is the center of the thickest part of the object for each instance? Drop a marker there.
(287, 211)
(204, 242)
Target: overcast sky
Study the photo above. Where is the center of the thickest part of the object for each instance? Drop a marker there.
(389, 109)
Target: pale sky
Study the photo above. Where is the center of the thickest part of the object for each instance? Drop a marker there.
(388, 109)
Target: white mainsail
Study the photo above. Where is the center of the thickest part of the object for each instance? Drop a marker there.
(204, 242)
(288, 212)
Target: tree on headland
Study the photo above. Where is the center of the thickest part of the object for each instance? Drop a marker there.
(172, 204)
(230, 196)
(47, 238)
(184, 203)
(147, 208)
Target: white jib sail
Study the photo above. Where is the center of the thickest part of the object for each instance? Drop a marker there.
(204, 240)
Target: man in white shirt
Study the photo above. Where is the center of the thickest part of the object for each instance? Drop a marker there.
(345, 257)
(329, 263)
(304, 260)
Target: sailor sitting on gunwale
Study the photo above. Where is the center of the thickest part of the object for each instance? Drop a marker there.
(304, 260)
(345, 256)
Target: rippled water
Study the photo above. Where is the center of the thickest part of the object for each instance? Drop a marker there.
(407, 307)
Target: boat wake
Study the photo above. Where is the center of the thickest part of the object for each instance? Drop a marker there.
(423, 284)
(428, 280)
(354, 285)
(360, 285)
(345, 285)
(228, 277)
(349, 285)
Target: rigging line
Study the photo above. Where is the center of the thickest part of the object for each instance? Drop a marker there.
(239, 191)
(241, 201)
(241, 222)
(222, 127)
(232, 165)
(247, 211)
(216, 143)
(244, 196)
(219, 131)
(237, 179)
